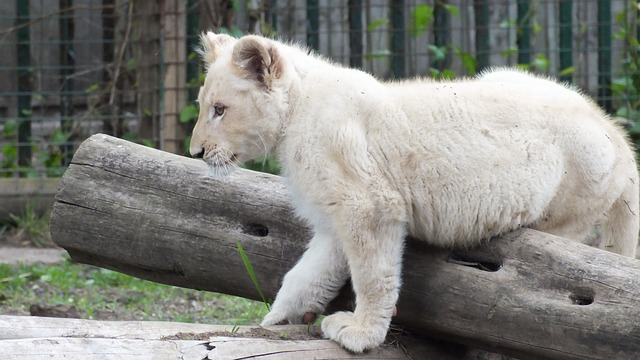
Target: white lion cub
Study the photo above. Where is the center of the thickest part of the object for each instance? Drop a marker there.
(369, 162)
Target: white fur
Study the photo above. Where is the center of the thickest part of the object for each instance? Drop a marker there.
(451, 163)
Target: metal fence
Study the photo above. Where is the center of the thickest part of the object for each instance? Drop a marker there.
(71, 68)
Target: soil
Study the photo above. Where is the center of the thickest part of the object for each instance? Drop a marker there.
(16, 245)
(258, 333)
(14, 255)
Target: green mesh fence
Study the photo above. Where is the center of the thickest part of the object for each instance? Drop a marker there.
(72, 68)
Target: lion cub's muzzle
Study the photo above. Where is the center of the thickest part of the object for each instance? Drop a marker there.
(221, 161)
(197, 153)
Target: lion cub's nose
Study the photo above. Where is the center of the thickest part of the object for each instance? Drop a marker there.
(197, 153)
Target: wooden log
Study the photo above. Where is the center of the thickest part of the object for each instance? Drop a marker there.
(38, 337)
(162, 217)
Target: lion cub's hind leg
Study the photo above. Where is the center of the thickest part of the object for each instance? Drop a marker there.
(620, 225)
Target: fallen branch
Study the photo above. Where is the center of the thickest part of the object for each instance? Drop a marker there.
(162, 217)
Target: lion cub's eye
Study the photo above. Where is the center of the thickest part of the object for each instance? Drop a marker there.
(218, 110)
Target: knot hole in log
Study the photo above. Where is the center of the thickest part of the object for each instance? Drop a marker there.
(582, 297)
(254, 229)
(480, 261)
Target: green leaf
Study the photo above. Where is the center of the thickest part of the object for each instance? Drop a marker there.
(448, 74)
(421, 17)
(541, 62)
(132, 64)
(452, 10)
(508, 24)
(377, 23)
(439, 52)
(234, 31)
(91, 88)
(187, 144)
(536, 28)
(567, 71)
(188, 113)
(379, 54)
(468, 61)
(10, 151)
(252, 274)
(59, 137)
(510, 51)
(10, 127)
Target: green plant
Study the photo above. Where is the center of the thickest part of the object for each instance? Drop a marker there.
(104, 294)
(252, 274)
(266, 164)
(32, 226)
(9, 150)
(625, 88)
(50, 156)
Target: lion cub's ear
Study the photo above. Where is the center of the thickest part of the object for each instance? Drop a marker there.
(212, 45)
(257, 59)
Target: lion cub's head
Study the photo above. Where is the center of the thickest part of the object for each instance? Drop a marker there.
(243, 103)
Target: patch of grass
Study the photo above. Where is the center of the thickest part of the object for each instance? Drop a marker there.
(108, 295)
(27, 228)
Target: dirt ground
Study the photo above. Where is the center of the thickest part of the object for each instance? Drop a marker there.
(13, 255)
(17, 245)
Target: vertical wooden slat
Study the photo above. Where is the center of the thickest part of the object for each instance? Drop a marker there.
(174, 30)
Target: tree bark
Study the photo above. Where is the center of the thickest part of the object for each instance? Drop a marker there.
(164, 218)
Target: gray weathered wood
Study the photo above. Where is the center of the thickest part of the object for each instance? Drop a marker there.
(26, 337)
(163, 217)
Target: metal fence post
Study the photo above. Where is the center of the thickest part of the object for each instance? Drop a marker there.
(397, 39)
(67, 63)
(481, 17)
(313, 25)
(440, 31)
(524, 32)
(604, 54)
(24, 85)
(355, 33)
(566, 37)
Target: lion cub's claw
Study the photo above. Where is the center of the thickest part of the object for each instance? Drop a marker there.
(277, 318)
(274, 318)
(344, 328)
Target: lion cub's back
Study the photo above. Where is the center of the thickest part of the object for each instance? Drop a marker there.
(484, 157)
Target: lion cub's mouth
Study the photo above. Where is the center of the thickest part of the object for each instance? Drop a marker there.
(221, 162)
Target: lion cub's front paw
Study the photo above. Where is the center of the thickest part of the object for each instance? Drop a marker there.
(281, 318)
(344, 328)
(274, 318)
